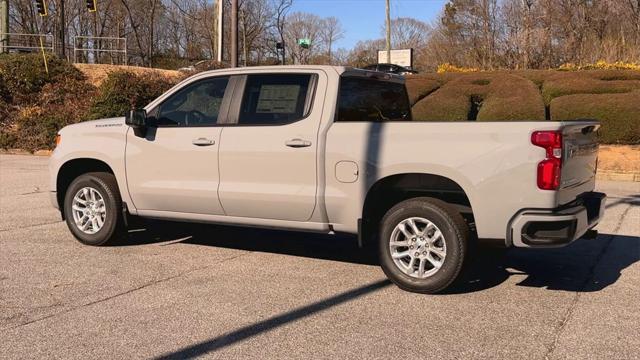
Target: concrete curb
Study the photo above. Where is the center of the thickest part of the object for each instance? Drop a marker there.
(25, 152)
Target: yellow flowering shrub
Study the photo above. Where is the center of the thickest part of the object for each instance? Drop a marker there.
(448, 68)
(601, 65)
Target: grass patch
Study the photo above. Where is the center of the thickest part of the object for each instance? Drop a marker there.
(619, 114)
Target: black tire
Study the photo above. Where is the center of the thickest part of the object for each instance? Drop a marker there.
(455, 233)
(113, 227)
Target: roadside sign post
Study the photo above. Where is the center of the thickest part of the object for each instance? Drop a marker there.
(388, 37)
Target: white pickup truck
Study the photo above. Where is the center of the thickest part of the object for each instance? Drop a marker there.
(330, 149)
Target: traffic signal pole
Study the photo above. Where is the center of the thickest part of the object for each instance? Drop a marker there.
(41, 8)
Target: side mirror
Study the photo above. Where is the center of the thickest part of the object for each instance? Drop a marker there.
(136, 118)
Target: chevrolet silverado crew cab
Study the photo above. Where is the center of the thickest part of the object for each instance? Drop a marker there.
(330, 149)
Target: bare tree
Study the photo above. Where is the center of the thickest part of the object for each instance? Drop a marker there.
(302, 25)
(487, 34)
(331, 31)
(281, 10)
(409, 33)
(365, 52)
(254, 22)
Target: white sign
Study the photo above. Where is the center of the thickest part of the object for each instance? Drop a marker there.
(403, 57)
(278, 99)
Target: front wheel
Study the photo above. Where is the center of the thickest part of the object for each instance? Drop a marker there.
(92, 207)
(422, 245)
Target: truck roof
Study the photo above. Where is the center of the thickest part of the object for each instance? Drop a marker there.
(340, 70)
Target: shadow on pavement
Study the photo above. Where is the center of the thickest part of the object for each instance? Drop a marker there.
(584, 266)
(633, 200)
(580, 266)
(248, 331)
(339, 247)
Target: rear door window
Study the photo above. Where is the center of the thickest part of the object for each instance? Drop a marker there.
(365, 99)
(276, 99)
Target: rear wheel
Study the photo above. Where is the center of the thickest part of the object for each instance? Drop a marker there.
(423, 244)
(92, 208)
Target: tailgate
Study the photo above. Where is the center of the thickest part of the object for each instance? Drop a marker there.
(579, 159)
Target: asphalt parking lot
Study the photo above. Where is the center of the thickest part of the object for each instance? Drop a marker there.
(177, 290)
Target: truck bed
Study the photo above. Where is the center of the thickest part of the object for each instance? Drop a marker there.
(495, 163)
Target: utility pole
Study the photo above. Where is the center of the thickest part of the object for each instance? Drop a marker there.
(61, 30)
(234, 33)
(4, 25)
(388, 34)
(220, 30)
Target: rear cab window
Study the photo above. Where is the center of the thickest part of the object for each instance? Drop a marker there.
(368, 99)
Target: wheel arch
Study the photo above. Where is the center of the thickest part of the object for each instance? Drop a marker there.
(391, 189)
(73, 168)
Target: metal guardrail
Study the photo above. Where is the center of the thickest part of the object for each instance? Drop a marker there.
(18, 42)
(98, 45)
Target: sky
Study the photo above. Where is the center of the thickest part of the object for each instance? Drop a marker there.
(364, 19)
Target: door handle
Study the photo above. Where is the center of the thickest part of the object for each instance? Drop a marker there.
(203, 142)
(297, 143)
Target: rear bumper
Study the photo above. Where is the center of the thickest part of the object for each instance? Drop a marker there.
(556, 227)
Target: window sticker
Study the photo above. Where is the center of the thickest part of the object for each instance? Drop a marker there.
(278, 99)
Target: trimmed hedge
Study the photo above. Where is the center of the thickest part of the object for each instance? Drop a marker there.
(610, 96)
(589, 82)
(619, 114)
(419, 86)
(482, 97)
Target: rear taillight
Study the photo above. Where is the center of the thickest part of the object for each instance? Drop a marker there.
(549, 168)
